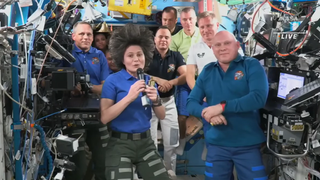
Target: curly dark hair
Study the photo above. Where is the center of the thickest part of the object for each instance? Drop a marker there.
(106, 35)
(130, 35)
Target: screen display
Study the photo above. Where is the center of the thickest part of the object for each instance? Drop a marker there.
(287, 82)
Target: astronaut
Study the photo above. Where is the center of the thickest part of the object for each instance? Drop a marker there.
(130, 144)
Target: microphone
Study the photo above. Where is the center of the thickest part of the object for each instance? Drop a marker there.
(144, 99)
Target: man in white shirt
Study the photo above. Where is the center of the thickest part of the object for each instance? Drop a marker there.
(200, 54)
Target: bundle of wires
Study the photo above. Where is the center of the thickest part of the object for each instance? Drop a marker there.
(237, 2)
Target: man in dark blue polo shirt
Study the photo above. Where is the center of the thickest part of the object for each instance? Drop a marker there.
(236, 88)
(94, 62)
(169, 18)
(164, 68)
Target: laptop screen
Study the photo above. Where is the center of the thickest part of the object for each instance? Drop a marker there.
(288, 82)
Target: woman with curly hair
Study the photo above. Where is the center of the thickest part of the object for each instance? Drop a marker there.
(130, 144)
(101, 41)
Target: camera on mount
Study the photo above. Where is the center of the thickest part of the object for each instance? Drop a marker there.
(65, 79)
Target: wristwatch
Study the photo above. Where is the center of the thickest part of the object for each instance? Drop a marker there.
(223, 104)
(158, 103)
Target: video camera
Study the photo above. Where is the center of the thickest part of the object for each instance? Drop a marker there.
(65, 79)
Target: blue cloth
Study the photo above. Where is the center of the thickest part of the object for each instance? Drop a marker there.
(182, 94)
(247, 161)
(93, 61)
(227, 24)
(206, 125)
(244, 87)
(135, 118)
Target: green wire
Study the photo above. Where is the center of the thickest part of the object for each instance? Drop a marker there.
(237, 2)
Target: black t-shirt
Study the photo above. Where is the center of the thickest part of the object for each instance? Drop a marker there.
(166, 68)
(176, 30)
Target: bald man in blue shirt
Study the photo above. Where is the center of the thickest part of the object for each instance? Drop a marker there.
(236, 88)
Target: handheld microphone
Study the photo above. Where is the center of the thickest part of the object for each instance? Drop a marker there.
(144, 99)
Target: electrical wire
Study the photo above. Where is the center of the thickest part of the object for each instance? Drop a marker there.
(55, 156)
(274, 7)
(7, 63)
(304, 39)
(23, 97)
(26, 56)
(8, 95)
(47, 151)
(54, 36)
(26, 86)
(29, 64)
(52, 114)
(274, 169)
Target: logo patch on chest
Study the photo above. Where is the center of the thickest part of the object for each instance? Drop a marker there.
(95, 60)
(171, 68)
(238, 75)
(200, 55)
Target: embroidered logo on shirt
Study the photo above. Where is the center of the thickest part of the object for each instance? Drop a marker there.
(238, 75)
(95, 60)
(171, 68)
(201, 55)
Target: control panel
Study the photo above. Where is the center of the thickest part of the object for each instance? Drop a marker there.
(85, 116)
(80, 119)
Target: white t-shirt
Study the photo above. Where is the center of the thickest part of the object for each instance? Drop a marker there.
(200, 54)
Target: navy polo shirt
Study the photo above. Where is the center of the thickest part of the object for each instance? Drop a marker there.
(135, 118)
(244, 87)
(166, 68)
(93, 61)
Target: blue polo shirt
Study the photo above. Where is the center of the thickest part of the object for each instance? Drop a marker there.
(93, 61)
(244, 87)
(135, 118)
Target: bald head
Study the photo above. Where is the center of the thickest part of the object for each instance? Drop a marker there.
(225, 47)
(225, 35)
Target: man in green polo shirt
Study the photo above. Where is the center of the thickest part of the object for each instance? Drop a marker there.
(189, 35)
(181, 42)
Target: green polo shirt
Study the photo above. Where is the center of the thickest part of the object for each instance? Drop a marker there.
(182, 42)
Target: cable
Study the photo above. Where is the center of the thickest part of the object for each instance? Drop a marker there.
(27, 83)
(254, 15)
(46, 149)
(28, 80)
(55, 156)
(273, 169)
(8, 95)
(26, 56)
(304, 39)
(285, 12)
(7, 63)
(50, 115)
(54, 36)
(23, 98)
